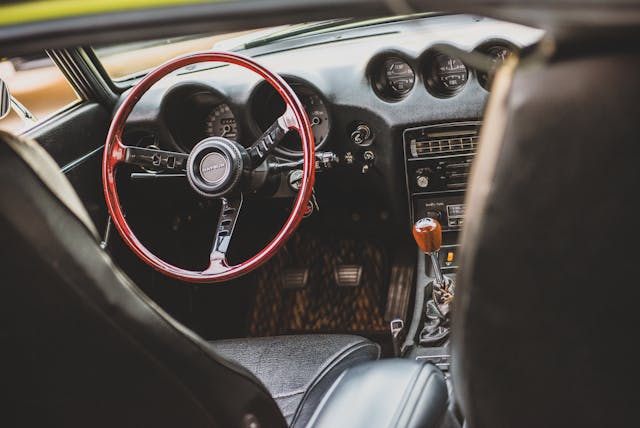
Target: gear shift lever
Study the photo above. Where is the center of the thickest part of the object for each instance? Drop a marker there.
(428, 235)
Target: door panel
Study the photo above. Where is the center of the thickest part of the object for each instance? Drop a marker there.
(74, 139)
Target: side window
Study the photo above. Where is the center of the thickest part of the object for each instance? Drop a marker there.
(37, 88)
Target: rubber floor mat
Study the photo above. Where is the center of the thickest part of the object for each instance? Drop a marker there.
(321, 306)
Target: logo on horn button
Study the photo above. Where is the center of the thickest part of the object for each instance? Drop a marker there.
(214, 168)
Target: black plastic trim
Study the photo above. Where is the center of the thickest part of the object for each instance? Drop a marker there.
(85, 74)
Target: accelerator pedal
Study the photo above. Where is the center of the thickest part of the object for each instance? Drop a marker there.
(400, 284)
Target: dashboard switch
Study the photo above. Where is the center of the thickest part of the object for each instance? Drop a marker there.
(368, 157)
(361, 135)
(422, 181)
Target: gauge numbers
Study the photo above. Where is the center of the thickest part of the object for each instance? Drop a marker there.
(392, 78)
(399, 76)
(221, 122)
(446, 75)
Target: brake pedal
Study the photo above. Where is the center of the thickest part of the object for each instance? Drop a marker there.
(348, 275)
(295, 278)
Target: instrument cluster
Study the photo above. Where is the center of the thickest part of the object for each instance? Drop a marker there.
(393, 75)
(195, 113)
(198, 112)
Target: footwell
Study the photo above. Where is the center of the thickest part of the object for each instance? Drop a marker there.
(301, 290)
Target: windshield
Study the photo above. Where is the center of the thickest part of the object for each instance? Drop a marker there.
(124, 60)
(134, 59)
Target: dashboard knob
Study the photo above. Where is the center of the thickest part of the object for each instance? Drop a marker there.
(422, 181)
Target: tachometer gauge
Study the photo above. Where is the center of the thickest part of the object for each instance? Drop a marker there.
(498, 55)
(445, 75)
(221, 122)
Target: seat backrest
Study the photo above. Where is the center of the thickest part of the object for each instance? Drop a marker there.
(81, 344)
(546, 314)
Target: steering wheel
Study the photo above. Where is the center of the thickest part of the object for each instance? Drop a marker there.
(216, 168)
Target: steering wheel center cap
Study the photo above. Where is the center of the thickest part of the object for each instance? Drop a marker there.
(215, 166)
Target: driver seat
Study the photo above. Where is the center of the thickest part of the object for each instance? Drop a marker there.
(83, 346)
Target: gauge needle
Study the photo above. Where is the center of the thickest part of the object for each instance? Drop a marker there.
(315, 121)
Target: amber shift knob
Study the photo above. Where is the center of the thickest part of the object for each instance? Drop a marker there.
(428, 235)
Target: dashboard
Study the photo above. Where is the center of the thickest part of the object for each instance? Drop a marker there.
(394, 109)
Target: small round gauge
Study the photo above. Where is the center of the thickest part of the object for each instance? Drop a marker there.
(318, 116)
(498, 55)
(221, 122)
(394, 79)
(399, 76)
(445, 75)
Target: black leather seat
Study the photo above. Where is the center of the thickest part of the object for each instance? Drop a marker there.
(83, 346)
(546, 315)
(298, 369)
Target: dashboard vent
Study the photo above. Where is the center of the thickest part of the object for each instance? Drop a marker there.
(439, 140)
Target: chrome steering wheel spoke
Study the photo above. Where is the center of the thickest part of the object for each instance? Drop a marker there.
(224, 232)
(268, 141)
(155, 160)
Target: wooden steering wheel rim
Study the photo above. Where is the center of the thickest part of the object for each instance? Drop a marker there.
(114, 154)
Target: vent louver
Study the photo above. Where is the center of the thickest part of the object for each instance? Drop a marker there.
(438, 140)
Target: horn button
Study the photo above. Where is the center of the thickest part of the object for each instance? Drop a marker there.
(215, 166)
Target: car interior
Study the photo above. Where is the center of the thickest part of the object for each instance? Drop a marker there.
(335, 213)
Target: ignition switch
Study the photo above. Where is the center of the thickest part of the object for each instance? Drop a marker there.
(361, 135)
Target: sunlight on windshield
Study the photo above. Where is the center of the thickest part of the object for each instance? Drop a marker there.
(38, 85)
(132, 58)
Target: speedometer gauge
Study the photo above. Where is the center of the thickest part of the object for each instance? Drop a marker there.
(221, 122)
(445, 75)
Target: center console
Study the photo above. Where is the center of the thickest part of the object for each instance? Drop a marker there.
(438, 160)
